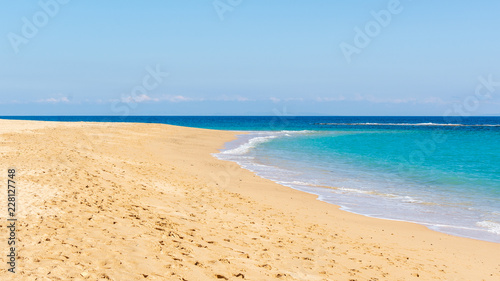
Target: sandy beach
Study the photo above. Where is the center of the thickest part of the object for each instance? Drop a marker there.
(116, 201)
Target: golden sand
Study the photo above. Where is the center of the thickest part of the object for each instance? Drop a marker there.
(102, 201)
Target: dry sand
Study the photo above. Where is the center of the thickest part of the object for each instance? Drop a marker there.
(148, 202)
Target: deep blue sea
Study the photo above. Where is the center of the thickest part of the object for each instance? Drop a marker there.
(440, 172)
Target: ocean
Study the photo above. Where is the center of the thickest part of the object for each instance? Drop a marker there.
(440, 172)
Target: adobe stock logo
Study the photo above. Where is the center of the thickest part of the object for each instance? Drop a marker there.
(224, 6)
(373, 28)
(31, 26)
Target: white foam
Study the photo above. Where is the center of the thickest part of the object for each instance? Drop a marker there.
(260, 138)
(409, 199)
(492, 227)
(246, 147)
(295, 182)
(353, 190)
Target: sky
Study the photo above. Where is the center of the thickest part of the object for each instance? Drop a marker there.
(250, 57)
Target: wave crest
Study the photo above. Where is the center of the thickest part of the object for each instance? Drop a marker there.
(260, 138)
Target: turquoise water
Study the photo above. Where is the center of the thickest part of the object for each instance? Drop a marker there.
(444, 177)
(442, 173)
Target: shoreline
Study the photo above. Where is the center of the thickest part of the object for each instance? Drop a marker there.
(238, 150)
(129, 200)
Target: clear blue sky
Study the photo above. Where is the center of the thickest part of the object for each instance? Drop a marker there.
(257, 58)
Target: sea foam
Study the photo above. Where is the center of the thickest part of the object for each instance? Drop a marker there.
(491, 227)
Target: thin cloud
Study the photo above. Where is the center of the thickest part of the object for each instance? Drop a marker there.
(341, 98)
(230, 98)
(138, 99)
(179, 98)
(54, 100)
(373, 99)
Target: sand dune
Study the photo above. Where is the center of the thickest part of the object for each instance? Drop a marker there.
(103, 201)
